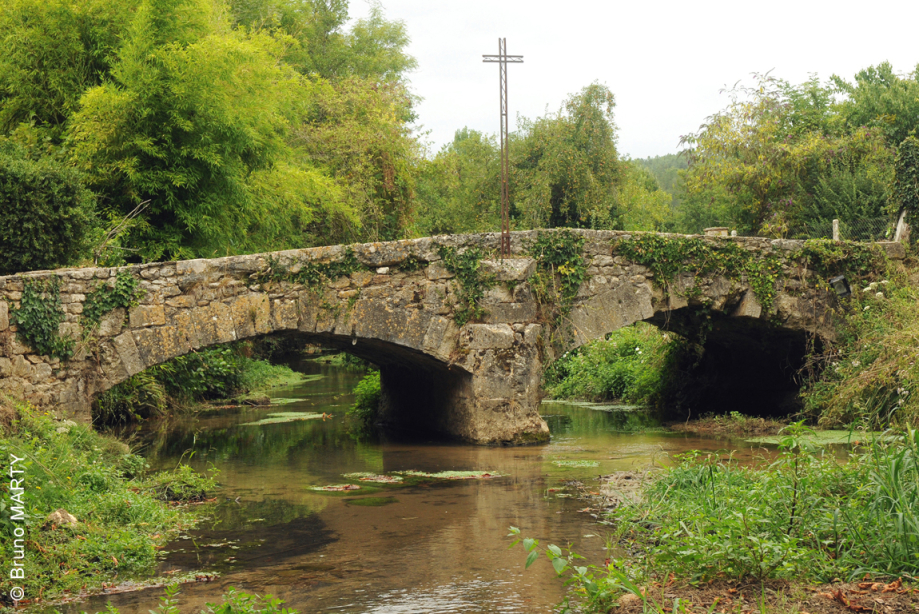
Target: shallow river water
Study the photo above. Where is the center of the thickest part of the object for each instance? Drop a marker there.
(431, 546)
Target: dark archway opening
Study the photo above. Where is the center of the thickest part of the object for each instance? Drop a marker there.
(738, 364)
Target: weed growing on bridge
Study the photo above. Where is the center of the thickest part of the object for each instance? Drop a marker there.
(105, 298)
(310, 274)
(39, 317)
(561, 269)
(467, 267)
(668, 257)
(829, 258)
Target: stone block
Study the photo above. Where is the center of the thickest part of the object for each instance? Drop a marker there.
(440, 338)
(197, 267)
(184, 301)
(748, 307)
(6, 367)
(111, 323)
(510, 269)
(531, 334)
(488, 336)
(251, 315)
(308, 306)
(214, 324)
(185, 326)
(127, 351)
(22, 368)
(157, 345)
(361, 278)
(510, 312)
(4, 315)
(340, 283)
(147, 315)
(436, 271)
(610, 311)
(41, 373)
(284, 314)
(894, 249)
(497, 294)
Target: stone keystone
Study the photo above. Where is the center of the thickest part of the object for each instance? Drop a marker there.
(510, 269)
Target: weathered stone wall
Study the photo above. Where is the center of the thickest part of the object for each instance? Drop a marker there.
(478, 383)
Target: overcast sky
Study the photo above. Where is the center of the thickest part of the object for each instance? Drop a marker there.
(664, 61)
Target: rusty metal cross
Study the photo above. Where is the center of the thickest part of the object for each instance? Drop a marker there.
(502, 59)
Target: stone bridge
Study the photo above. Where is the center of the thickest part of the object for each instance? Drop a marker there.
(396, 304)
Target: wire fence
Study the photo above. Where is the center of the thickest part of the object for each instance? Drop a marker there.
(866, 229)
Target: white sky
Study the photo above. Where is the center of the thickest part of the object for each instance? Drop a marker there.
(664, 60)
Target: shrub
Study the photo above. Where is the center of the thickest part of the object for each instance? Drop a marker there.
(367, 402)
(45, 213)
(634, 364)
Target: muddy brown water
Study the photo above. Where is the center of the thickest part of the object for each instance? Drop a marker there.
(429, 546)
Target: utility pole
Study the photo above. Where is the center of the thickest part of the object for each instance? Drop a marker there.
(502, 59)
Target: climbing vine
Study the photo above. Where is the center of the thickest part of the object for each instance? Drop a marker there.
(473, 281)
(39, 318)
(668, 257)
(310, 274)
(561, 269)
(829, 258)
(105, 298)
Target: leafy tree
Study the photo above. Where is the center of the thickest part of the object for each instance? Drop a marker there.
(460, 187)
(194, 121)
(566, 167)
(881, 99)
(906, 178)
(644, 205)
(51, 51)
(45, 213)
(778, 157)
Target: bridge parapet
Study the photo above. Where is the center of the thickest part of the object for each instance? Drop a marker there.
(395, 303)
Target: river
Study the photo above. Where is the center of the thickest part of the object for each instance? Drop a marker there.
(430, 545)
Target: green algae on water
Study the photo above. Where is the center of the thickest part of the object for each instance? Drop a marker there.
(372, 501)
(821, 438)
(453, 475)
(364, 476)
(285, 416)
(583, 464)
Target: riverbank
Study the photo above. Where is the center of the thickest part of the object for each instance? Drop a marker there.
(81, 514)
(801, 532)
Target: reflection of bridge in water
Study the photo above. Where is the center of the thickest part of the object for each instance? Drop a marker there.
(394, 304)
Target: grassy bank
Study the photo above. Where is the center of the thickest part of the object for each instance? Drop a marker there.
(636, 364)
(219, 372)
(121, 516)
(804, 519)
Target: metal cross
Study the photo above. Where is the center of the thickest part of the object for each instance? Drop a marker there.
(503, 60)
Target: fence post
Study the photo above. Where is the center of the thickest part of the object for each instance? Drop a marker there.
(836, 230)
(902, 228)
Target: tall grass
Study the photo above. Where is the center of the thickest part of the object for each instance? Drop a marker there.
(870, 377)
(122, 517)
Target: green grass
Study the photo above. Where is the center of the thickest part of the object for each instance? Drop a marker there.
(805, 517)
(123, 518)
(635, 364)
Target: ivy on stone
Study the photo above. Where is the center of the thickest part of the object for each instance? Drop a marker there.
(39, 318)
(473, 281)
(105, 298)
(906, 177)
(668, 257)
(311, 274)
(560, 254)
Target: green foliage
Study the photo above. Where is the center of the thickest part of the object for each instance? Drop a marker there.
(473, 281)
(869, 377)
(39, 317)
(806, 517)
(234, 602)
(367, 394)
(122, 293)
(311, 274)
(561, 269)
(182, 484)
(95, 478)
(566, 167)
(460, 187)
(666, 170)
(668, 257)
(882, 100)
(906, 177)
(636, 364)
(781, 156)
(45, 213)
(830, 258)
(137, 398)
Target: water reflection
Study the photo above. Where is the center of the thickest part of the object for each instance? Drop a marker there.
(425, 546)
